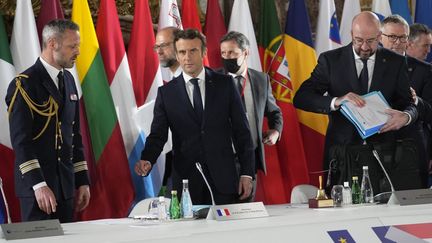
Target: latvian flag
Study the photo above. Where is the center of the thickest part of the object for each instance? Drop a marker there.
(223, 212)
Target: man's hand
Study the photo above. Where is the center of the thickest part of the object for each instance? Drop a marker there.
(46, 199)
(350, 97)
(245, 187)
(396, 120)
(142, 167)
(82, 198)
(270, 137)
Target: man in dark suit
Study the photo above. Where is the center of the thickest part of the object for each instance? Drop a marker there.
(204, 112)
(346, 73)
(256, 94)
(420, 41)
(51, 175)
(395, 31)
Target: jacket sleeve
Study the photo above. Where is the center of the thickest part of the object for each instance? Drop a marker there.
(272, 110)
(21, 133)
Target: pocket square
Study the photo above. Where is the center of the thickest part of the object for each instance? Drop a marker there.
(73, 97)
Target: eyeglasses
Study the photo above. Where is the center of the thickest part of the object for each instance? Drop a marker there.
(360, 42)
(394, 38)
(163, 45)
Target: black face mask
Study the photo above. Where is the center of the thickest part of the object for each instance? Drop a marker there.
(231, 65)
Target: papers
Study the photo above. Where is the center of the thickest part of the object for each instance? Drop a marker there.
(370, 118)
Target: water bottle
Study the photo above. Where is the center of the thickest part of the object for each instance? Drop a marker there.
(162, 212)
(174, 209)
(186, 201)
(355, 191)
(346, 194)
(366, 187)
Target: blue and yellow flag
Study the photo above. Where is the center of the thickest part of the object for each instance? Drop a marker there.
(301, 58)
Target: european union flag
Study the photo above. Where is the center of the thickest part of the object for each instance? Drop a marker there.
(334, 29)
(341, 236)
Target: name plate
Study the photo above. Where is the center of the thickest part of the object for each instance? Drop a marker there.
(33, 229)
(414, 197)
(237, 211)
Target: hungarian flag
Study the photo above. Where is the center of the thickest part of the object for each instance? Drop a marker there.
(7, 73)
(119, 78)
(214, 29)
(301, 60)
(111, 185)
(286, 161)
(146, 78)
(24, 46)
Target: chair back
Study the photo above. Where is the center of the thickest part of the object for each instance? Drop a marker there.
(302, 193)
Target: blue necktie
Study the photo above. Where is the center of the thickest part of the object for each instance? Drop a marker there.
(197, 100)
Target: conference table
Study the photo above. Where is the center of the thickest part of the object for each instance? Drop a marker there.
(286, 223)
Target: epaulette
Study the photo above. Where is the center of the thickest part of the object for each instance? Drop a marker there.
(47, 109)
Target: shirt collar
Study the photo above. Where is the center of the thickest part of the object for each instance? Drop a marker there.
(52, 71)
(201, 76)
(243, 74)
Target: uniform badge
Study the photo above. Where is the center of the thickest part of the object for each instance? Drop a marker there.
(73, 97)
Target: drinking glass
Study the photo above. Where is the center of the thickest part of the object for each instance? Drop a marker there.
(336, 195)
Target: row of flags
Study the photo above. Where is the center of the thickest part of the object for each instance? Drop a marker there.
(115, 122)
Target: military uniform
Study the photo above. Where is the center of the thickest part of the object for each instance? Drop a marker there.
(45, 134)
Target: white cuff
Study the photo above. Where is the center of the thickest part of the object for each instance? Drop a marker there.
(332, 104)
(409, 118)
(250, 177)
(39, 185)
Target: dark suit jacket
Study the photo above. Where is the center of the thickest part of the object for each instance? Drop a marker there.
(265, 105)
(336, 74)
(209, 141)
(62, 167)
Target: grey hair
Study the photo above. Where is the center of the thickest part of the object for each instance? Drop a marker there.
(418, 29)
(241, 40)
(56, 28)
(395, 19)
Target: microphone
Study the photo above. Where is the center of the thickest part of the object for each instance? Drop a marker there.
(199, 168)
(392, 200)
(5, 202)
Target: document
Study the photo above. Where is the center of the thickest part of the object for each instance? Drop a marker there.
(368, 119)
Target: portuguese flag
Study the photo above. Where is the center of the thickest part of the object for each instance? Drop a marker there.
(111, 184)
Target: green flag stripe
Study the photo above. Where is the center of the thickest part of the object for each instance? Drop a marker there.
(269, 27)
(100, 110)
(4, 46)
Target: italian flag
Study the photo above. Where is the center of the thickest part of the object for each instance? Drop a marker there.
(111, 185)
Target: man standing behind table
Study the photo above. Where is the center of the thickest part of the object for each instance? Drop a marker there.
(164, 47)
(204, 112)
(51, 175)
(346, 73)
(395, 31)
(256, 94)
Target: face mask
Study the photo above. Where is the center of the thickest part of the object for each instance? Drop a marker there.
(231, 65)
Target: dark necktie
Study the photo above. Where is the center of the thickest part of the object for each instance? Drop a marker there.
(239, 81)
(364, 77)
(197, 100)
(61, 84)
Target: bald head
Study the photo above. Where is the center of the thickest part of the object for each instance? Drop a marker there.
(366, 34)
(164, 47)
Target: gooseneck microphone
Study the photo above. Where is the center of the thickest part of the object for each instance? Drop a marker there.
(5, 202)
(393, 200)
(198, 166)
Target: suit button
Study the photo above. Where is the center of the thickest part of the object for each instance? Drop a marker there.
(58, 159)
(202, 132)
(73, 146)
(73, 134)
(59, 147)
(71, 158)
(73, 122)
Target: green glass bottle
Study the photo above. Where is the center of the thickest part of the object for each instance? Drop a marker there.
(355, 190)
(174, 208)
